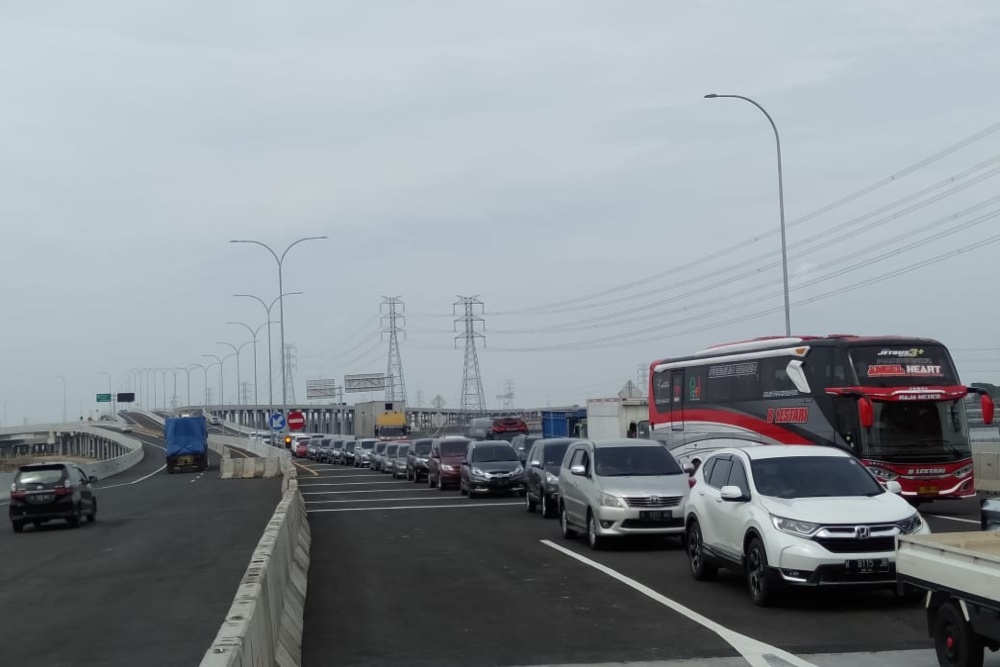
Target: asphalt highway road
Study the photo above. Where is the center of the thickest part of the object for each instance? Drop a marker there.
(148, 584)
(401, 574)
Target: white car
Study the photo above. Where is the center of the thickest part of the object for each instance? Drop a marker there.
(794, 515)
(621, 487)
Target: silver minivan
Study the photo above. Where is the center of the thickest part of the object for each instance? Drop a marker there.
(612, 488)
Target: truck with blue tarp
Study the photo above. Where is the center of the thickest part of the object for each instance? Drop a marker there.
(187, 443)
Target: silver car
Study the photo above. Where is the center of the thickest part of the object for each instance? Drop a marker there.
(378, 455)
(398, 463)
(621, 487)
(365, 450)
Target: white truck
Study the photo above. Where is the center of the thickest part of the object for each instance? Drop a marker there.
(610, 418)
(961, 574)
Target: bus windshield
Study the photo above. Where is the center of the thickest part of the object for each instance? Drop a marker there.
(903, 366)
(918, 431)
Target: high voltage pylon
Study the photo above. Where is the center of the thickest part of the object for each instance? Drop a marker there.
(473, 398)
(393, 322)
(506, 397)
(291, 365)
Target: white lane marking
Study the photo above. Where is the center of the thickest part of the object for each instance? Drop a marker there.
(755, 652)
(134, 481)
(197, 478)
(396, 483)
(378, 500)
(432, 507)
(343, 477)
(339, 493)
(955, 518)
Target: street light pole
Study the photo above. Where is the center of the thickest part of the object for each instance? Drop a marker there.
(781, 203)
(63, 378)
(204, 399)
(270, 345)
(253, 333)
(281, 302)
(221, 362)
(239, 382)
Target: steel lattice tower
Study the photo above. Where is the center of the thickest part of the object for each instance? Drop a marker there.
(506, 398)
(290, 367)
(473, 397)
(393, 322)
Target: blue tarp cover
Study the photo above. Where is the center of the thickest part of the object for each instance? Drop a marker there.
(185, 435)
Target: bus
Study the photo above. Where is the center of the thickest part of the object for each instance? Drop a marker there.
(896, 403)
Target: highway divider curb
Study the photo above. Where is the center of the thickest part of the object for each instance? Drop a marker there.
(264, 624)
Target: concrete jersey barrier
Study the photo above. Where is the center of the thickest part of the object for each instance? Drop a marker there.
(264, 624)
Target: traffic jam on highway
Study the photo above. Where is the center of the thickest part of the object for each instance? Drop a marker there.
(722, 465)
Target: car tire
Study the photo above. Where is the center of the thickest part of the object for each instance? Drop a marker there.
(92, 516)
(595, 541)
(18, 526)
(700, 570)
(461, 488)
(954, 641)
(440, 483)
(567, 531)
(74, 521)
(529, 504)
(763, 590)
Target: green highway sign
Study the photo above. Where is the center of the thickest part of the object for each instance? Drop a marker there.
(104, 398)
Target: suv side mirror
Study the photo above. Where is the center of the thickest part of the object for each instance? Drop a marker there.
(732, 494)
(578, 470)
(92, 479)
(536, 464)
(689, 468)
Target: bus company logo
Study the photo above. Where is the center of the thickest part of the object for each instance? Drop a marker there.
(926, 471)
(901, 370)
(787, 415)
(901, 354)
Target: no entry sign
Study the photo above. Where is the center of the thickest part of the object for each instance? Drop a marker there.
(296, 420)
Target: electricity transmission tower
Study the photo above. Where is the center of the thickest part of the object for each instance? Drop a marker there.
(473, 398)
(506, 398)
(291, 357)
(420, 398)
(393, 322)
(642, 377)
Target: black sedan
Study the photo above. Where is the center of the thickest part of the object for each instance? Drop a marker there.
(44, 492)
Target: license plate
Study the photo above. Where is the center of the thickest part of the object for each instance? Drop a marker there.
(661, 515)
(867, 565)
(501, 482)
(185, 460)
(41, 497)
(927, 491)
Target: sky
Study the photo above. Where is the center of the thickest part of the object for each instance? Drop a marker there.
(555, 159)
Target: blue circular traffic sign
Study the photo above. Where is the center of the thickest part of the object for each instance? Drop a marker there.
(277, 421)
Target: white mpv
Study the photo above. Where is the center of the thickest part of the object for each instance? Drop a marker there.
(794, 515)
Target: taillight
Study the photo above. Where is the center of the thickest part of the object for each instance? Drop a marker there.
(691, 482)
(64, 491)
(18, 495)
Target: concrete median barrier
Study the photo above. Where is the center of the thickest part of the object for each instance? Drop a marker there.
(264, 624)
(987, 471)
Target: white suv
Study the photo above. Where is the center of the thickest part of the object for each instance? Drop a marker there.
(793, 515)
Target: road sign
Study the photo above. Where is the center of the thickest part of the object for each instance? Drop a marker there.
(296, 420)
(126, 397)
(438, 402)
(277, 421)
(438, 420)
(321, 389)
(104, 398)
(365, 382)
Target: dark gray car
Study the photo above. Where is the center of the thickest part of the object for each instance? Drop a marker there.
(541, 476)
(491, 467)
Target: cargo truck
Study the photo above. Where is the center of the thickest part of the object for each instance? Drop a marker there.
(380, 419)
(187, 443)
(615, 418)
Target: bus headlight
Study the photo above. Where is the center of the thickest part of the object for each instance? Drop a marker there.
(964, 471)
(883, 474)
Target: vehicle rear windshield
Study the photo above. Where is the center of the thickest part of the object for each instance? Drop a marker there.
(40, 476)
(493, 453)
(554, 454)
(325, 442)
(456, 448)
(902, 365)
(422, 448)
(635, 461)
(367, 444)
(390, 451)
(349, 446)
(379, 447)
(813, 477)
(403, 449)
(392, 431)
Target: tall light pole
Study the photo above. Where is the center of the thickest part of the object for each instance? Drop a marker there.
(174, 395)
(111, 394)
(253, 333)
(63, 378)
(187, 371)
(239, 381)
(211, 365)
(221, 362)
(781, 202)
(205, 371)
(270, 346)
(281, 302)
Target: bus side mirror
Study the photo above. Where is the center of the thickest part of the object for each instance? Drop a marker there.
(866, 412)
(988, 408)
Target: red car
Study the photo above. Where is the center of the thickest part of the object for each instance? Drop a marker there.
(445, 462)
(301, 449)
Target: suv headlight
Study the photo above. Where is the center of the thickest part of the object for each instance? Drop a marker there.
(518, 470)
(794, 527)
(551, 479)
(478, 472)
(607, 500)
(964, 471)
(910, 525)
(883, 474)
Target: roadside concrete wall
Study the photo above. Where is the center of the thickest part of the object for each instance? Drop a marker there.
(264, 624)
(267, 461)
(987, 471)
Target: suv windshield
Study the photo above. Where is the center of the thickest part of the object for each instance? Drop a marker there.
(367, 444)
(918, 431)
(454, 448)
(493, 453)
(422, 448)
(403, 449)
(813, 477)
(349, 446)
(40, 476)
(554, 454)
(639, 461)
(390, 450)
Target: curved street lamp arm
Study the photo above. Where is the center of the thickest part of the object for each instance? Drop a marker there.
(307, 238)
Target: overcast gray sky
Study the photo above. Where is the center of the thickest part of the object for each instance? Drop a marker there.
(528, 152)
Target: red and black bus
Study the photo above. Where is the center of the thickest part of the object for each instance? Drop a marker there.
(896, 403)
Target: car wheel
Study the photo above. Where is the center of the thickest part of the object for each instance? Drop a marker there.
(593, 539)
(440, 483)
(954, 641)
(763, 590)
(461, 488)
(74, 521)
(567, 532)
(529, 504)
(18, 526)
(92, 517)
(700, 570)
(548, 511)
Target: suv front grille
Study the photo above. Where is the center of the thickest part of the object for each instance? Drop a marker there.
(653, 501)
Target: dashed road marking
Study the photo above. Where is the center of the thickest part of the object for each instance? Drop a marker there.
(382, 500)
(340, 493)
(429, 507)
